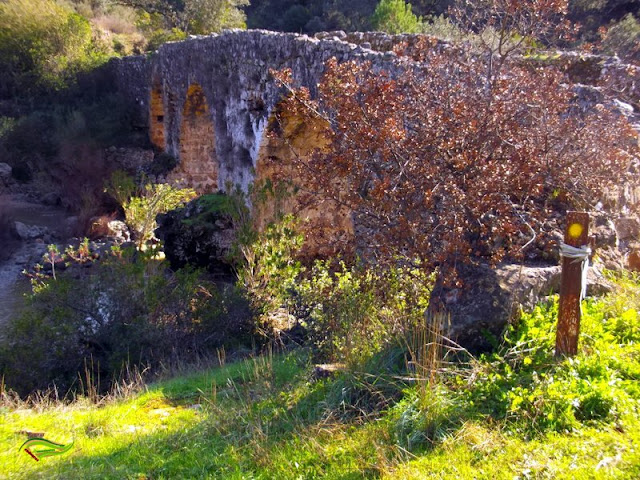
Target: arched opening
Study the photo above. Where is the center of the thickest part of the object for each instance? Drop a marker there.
(156, 120)
(198, 167)
(327, 227)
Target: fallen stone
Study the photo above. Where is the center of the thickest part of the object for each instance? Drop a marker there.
(29, 232)
(119, 231)
(628, 229)
(5, 173)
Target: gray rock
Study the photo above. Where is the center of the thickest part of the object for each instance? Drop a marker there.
(51, 198)
(628, 229)
(490, 298)
(5, 173)
(29, 232)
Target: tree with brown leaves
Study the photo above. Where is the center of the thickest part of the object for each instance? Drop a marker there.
(463, 153)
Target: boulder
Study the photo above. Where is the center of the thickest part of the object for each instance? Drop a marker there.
(51, 199)
(492, 297)
(29, 232)
(5, 173)
(628, 229)
(119, 231)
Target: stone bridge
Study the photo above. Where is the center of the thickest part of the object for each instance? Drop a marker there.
(207, 100)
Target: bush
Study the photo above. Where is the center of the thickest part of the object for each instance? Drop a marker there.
(355, 312)
(42, 46)
(395, 16)
(623, 39)
(130, 310)
(142, 205)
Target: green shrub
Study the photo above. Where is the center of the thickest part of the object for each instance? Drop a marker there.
(142, 205)
(270, 270)
(42, 46)
(355, 312)
(395, 16)
(129, 310)
(524, 383)
(623, 39)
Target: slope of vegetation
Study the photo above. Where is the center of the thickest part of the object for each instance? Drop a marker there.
(515, 413)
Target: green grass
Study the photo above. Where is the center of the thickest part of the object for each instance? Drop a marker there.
(264, 418)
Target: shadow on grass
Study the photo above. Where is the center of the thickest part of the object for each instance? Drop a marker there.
(260, 418)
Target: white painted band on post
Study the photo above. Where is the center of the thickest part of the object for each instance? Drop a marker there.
(580, 254)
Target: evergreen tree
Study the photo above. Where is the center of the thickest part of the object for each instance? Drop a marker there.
(395, 16)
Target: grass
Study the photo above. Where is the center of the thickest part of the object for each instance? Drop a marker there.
(264, 418)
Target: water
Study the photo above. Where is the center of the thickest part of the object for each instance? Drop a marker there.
(13, 285)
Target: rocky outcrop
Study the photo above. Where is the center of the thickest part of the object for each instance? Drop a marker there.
(491, 297)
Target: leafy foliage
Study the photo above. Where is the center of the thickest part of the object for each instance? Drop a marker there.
(194, 16)
(270, 269)
(355, 313)
(395, 16)
(523, 383)
(142, 206)
(130, 311)
(623, 39)
(42, 45)
(457, 157)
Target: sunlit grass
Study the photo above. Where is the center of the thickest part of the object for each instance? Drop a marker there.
(265, 418)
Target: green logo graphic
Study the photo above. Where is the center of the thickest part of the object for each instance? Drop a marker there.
(52, 448)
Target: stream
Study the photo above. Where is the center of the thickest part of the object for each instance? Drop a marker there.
(13, 285)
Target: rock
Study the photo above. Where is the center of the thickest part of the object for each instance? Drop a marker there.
(29, 232)
(119, 231)
(200, 234)
(51, 199)
(129, 159)
(327, 370)
(628, 229)
(71, 225)
(597, 283)
(5, 173)
(490, 298)
(604, 232)
(633, 261)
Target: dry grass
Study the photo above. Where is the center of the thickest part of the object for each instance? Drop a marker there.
(119, 20)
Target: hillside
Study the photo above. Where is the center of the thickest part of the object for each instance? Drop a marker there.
(272, 417)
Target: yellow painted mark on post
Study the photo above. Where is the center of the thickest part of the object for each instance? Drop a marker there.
(575, 230)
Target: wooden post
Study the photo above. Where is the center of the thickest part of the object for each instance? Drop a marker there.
(576, 235)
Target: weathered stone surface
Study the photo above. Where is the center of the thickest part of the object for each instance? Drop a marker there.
(119, 231)
(633, 261)
(628, 229)
(128, 158)
(5, 173)
(491, 298)
(52, 199)
(29, 232)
